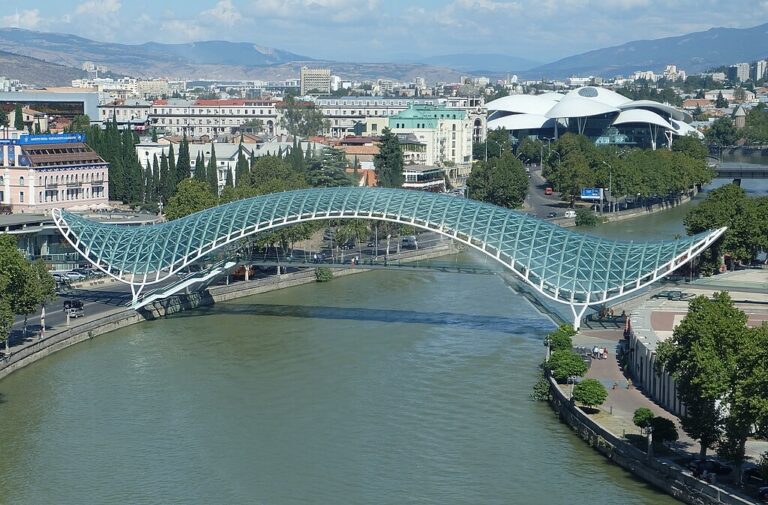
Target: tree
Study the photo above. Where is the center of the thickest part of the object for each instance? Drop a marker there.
(167, 180)
(642, 418)
(3, 118)
(692, 146)
(590, 392)
(560, 339)
(253, 126)
(721, 102)
(329, 171)
(183, 168)
(663, 430)
(745, 217)
(501, 181)
(154, 134)
(213, 172)
(200, 170)
(388, 162)
(18, 118)
(722, 132)
(585, 217)
(80, 123)
(242, 169)
(565, 363)
(191, 196)
(720, 370)
(302, 119)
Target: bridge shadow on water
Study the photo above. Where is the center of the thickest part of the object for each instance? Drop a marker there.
(522, 325)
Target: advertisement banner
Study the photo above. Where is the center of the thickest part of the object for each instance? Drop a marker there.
(591, 193)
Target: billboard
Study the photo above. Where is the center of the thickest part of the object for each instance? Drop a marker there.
(591, 193)
(48, 138)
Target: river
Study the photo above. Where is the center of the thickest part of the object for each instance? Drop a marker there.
(381, 388)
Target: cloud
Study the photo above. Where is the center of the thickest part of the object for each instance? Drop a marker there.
(99, 8)
(223, 12)
(181, 30)
(29, 19)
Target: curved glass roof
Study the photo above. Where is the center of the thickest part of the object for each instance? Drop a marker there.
(565, 266)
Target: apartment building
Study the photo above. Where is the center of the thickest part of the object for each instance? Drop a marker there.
(445, 132)
(126, 113)
(315, 80)
(348, 113)
(213, 117)
(42, 172)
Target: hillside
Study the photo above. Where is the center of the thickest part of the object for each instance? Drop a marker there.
(694, 52)
(36, 72)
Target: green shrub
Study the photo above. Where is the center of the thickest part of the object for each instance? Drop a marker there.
(560, 339)
(643, 418)
(323, 274)
(585, 217)
(664, 430)
(541, 389)
(590, 392)
(565, 363)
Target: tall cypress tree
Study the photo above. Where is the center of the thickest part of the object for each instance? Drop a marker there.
(213, 171)
(183, 161)
(172, 168)
(18, 118)
(167, 179)
(228, 182)
(200, 168)
(242, 171)
(389, 161)
(153, 182)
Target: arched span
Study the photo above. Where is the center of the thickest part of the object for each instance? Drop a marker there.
(562, 265)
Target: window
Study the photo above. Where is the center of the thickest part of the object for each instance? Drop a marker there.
(21, 197)
(21, 182)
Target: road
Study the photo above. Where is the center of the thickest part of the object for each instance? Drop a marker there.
(537, 202)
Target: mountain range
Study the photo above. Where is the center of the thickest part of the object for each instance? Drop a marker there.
(694, 52)
(43, 58)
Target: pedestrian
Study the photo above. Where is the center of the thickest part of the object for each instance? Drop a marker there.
(594, 352)
(605, 353)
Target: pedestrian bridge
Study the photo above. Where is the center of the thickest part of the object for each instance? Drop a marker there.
(561, 265)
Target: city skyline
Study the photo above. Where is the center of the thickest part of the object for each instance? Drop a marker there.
(375, 31)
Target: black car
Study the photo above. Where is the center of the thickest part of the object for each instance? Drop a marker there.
(710, 465)
(552, 214)
(755, 477)
(762, 494)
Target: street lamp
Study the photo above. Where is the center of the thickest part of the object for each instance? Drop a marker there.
(486, 147)
(610, 185)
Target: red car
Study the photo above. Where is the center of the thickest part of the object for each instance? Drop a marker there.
(547, 190)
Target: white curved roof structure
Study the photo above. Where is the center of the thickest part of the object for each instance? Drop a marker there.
(524, 104)
(641, 116)
(673, 112)
(545, 111)
(596, 94)
(579, 107)
(521, 122)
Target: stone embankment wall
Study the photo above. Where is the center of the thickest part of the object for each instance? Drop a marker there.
(120, 318)
(666, 476)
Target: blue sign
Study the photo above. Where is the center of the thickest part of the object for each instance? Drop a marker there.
(47, 138)
(591, 193)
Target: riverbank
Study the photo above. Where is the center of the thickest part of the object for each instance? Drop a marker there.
(93, 326)
(610, 428)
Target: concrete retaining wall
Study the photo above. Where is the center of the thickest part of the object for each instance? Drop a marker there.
(668, 477)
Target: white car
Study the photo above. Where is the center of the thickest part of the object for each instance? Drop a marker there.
(74, 276)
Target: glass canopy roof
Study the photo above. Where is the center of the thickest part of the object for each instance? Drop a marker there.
(563, 265)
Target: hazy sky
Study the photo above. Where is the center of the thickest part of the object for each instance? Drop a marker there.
(381, 30)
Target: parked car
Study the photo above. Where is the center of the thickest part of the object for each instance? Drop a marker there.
(74, 276)
(548, 190)
(754, 477)
(570, 213)
(59, 277)
(86, 272)
(710, 465)
(552, 214)
(762, 494)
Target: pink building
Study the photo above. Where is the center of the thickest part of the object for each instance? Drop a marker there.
(42, 172)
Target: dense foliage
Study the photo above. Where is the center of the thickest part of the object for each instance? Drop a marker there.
(722, 132)
(575, 162)
(501, 181)
(302, 119)
(389, 161)
(590, 393)
(24, 286)
(561, 338)
(756, 125)
(721, 368)
(565, 363)
(745, 217)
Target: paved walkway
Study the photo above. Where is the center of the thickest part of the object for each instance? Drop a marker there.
(619, 408)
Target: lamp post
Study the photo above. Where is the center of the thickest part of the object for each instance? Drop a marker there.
(486, 147)
(610, 186)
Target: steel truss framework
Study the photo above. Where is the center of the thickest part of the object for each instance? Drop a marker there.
(564, 266)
